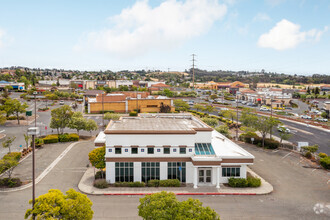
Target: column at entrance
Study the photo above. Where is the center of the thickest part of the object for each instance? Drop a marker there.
(195, 177)
(218, 178)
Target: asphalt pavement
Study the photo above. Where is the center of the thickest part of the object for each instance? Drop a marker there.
(299, 193)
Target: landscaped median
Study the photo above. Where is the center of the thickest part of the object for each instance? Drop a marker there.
(86, 186)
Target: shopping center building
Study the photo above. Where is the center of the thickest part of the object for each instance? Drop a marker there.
(170, 146)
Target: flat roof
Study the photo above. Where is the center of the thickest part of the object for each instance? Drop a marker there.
(157, 123)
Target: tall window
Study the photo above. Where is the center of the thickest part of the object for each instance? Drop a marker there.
(150, 171)
(124, 171)
(182, 150)
(151, 150)
(176, 170)
(231, 171)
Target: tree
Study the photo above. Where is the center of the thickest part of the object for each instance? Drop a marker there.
(8, 142)
(223, 129)
(229, 114)
(8, 165)
(56, 205)
(27, 139)
(5, 92)
(323, 115)
(164, 205)
(91, 126)
(111, 116)
(61, 118)
(284, 135)
(199, 107)
(210, 121)
(264, 126)
(181, 105)
(15, 107)
(96, 157)
(209, 108)
(3, 117)
(78, 122)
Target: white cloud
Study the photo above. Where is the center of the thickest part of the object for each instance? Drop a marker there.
(286, 35)
(261, 17)
(141, 28)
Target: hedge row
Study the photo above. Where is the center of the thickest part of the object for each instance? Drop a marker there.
(325, 162)
(242, 182)
(164, 183)
(130, 184)
(54, 138)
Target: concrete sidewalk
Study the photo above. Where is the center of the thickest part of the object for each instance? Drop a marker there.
(86, 186)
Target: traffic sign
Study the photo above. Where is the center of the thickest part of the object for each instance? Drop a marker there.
(20, 145)
(45, 127)
(28, 113)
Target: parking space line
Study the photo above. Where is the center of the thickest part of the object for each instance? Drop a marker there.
(286, 155)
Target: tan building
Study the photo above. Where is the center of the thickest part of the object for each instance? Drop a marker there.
(124, 102)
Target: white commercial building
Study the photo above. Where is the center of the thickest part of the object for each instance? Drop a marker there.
(170, 146)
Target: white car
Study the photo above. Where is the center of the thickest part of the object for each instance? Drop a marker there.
(61, 102)
(322, 119)
(306, 117)
(263, 109)
(283, 129)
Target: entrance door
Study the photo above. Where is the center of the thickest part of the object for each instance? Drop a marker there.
(204, 175)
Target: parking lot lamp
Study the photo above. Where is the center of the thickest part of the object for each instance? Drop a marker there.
(237, 93)
(34, 131)
(35, 108)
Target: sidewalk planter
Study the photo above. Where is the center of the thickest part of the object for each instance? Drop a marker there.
(164, 183)
(101, 184)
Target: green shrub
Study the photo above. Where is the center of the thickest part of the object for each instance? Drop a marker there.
(15, 117)
(49, 139)
(153, 183)
(38, 142)
(133, 113)
(271, 144)
(101, 184)
(325, 162)
(74, 137)
(170, 183)
(308, 155)
(237, 182)
(322, 155)
(64, 137)
(130, 184)
(12, 155)
(253, 182)
(311, 149)
(100, 175)
(12, 182)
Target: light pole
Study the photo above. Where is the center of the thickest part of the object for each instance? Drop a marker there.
(271, 115)
(34, 132)
(237, 93)
(35, 108)
(102, 111)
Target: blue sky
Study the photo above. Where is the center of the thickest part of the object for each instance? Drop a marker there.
(289, 36)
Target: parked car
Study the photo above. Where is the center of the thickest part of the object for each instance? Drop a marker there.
(244, 102)
(61, 102)
(282, 128)
(263, 109)
(288, 108)
(322, 119)
(306, 117)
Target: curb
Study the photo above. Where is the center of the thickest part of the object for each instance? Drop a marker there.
(182, 194)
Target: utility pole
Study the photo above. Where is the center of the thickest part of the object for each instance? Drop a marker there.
(193, 67)
(237, 93)
(103, 110)
(35, 108)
